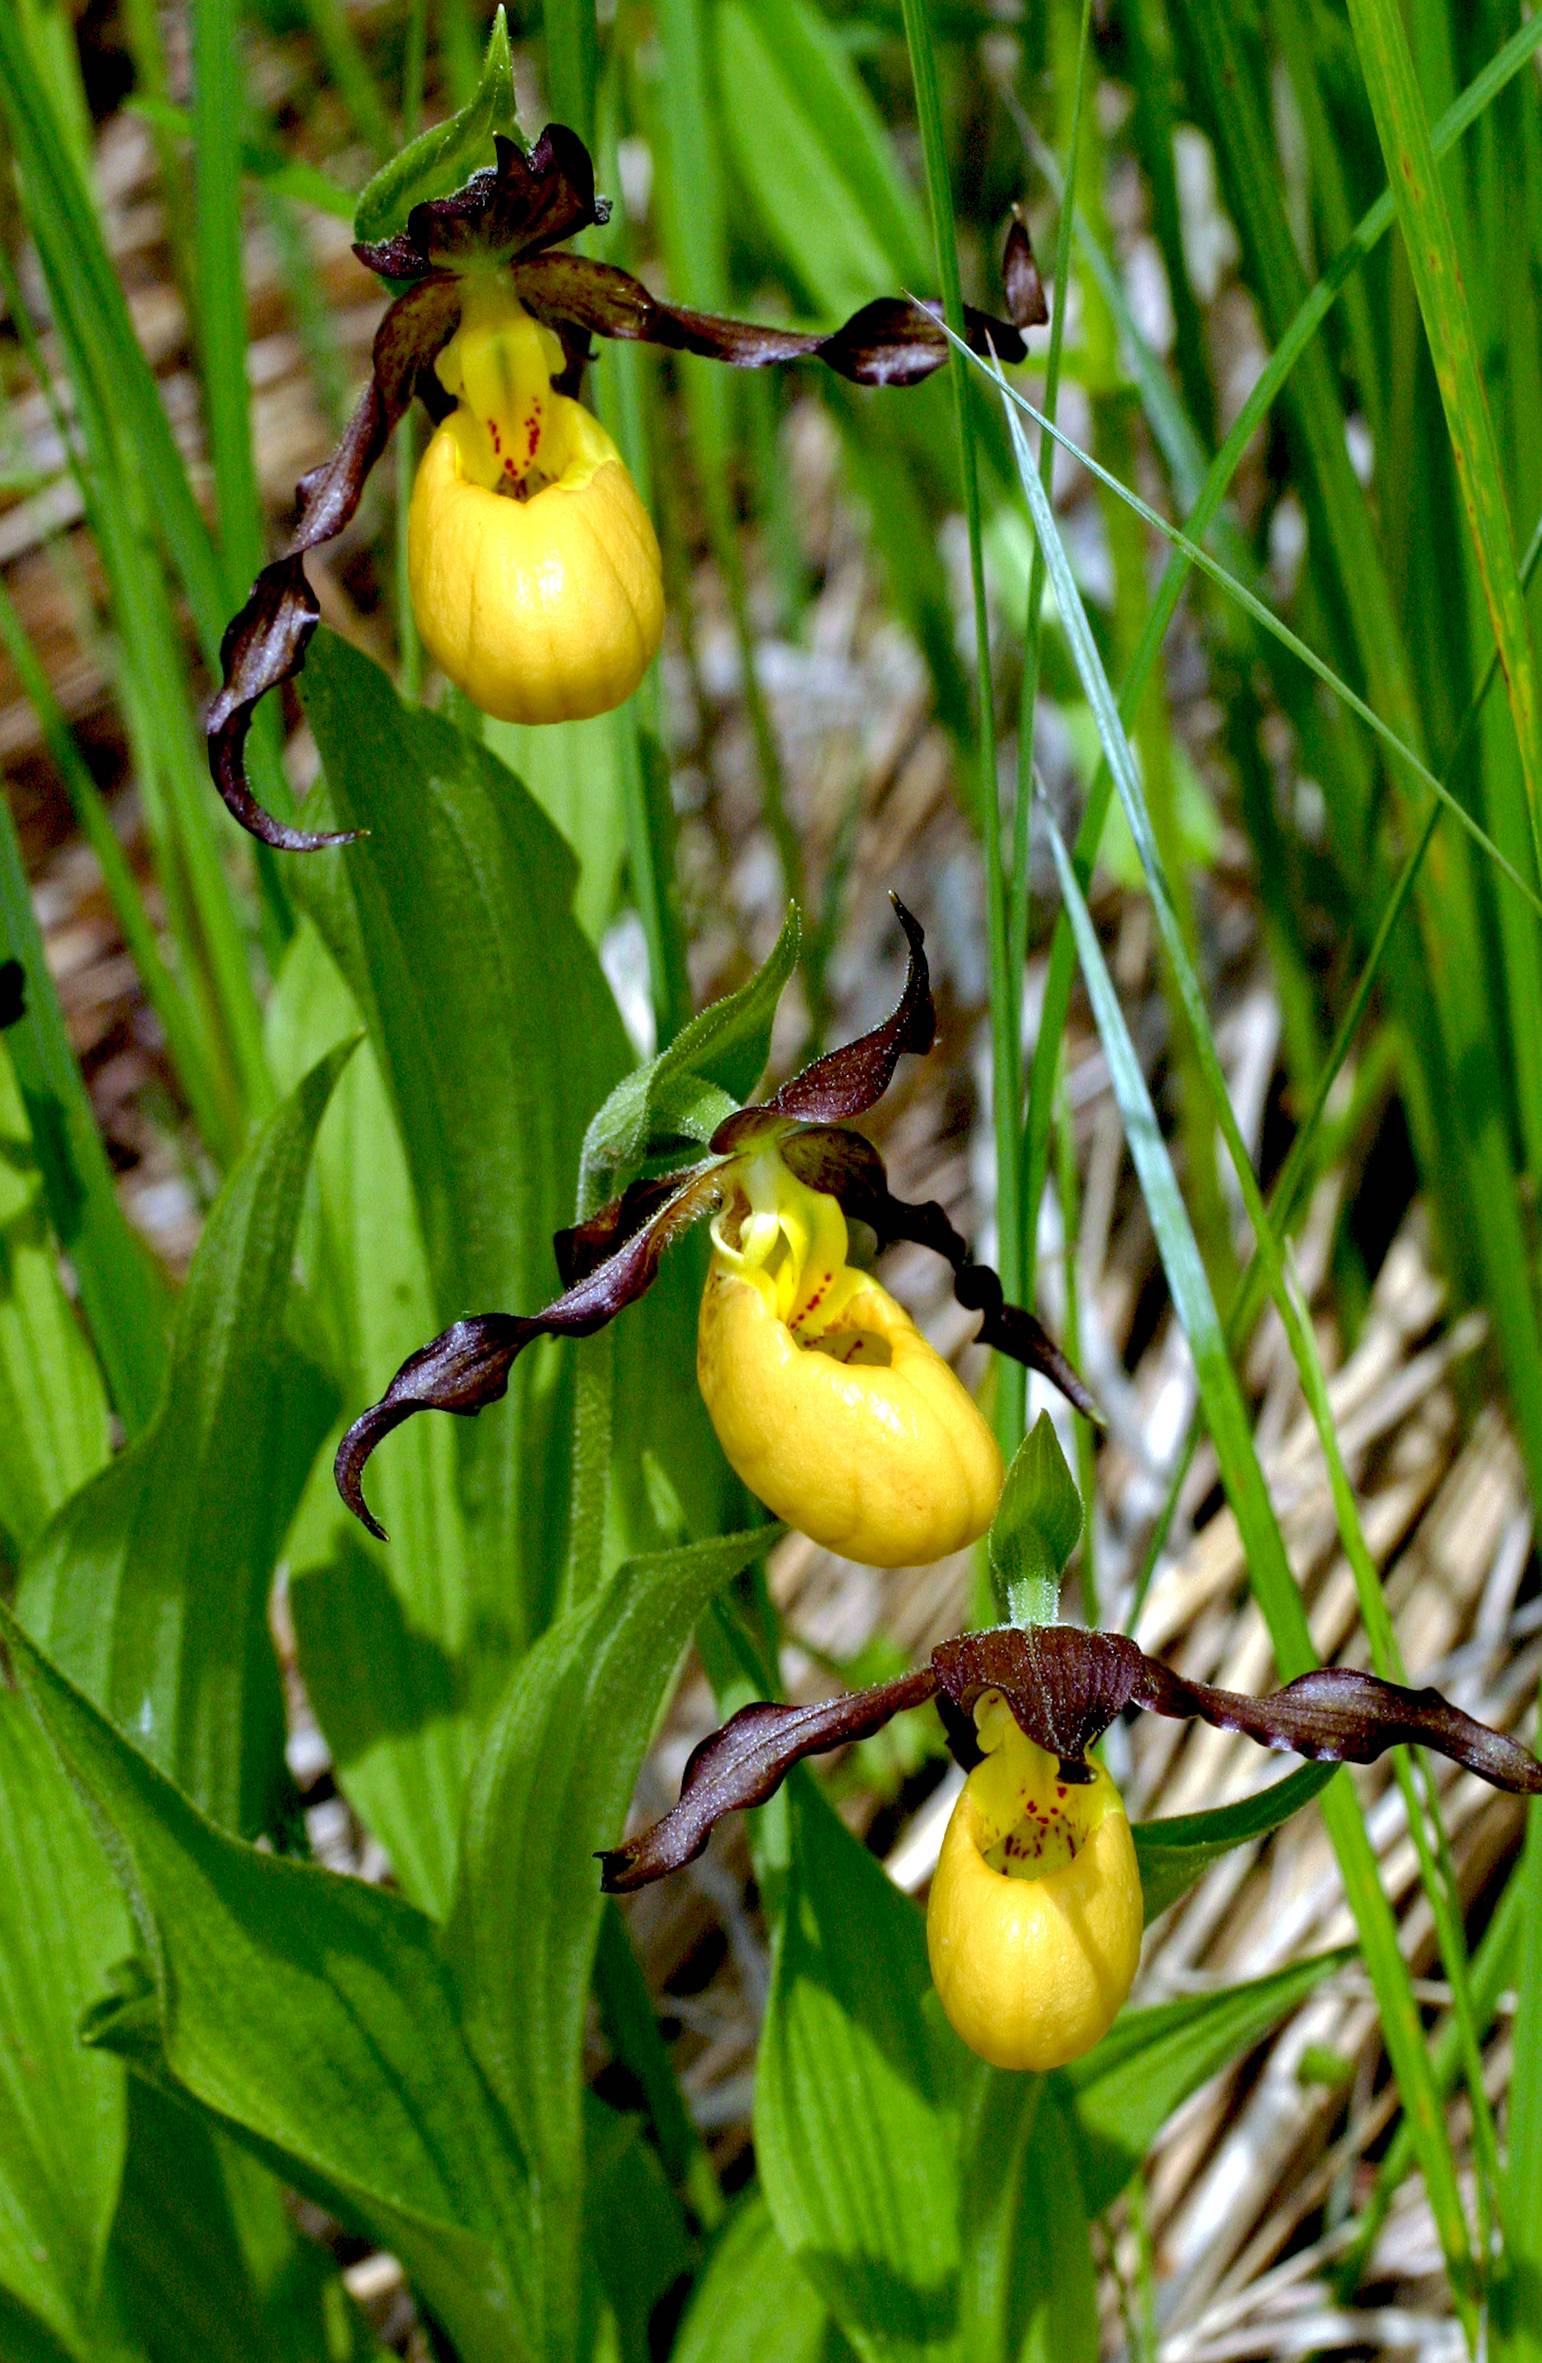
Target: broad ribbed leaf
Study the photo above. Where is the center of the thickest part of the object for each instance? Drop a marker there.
(751, 2299)
(395, 1663)
(121, 1290)
(497, 1037)
(53, 1408)
(208, 2258)
(576, 776)
(855, 2129)
(1028, 2288)
(62, 1925)
(551, 1788)
(314, 2017)
(634, 2232)
(150, 1589)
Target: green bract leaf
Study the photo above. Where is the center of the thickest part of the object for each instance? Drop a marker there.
(551, 1788)
(314, 2016)
(712, 1065)
(854, 2125)
(1151, 2060)
(62, 1924)
(1175, 1853)
(1037, 1525)
(151, 1586)
(440, 160)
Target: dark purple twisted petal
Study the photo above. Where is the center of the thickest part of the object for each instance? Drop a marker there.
(1339, 1715)
(745, 1763)
(1027, 305)
(519, 205)
(467, 1366)
(266, 640)
(849, 1081)
(891, 341)
(583, 1247)
(850, 1168)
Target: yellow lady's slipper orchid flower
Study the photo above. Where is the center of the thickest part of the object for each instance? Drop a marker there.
(535, 571)
(1034, 1923)
(825, 1396)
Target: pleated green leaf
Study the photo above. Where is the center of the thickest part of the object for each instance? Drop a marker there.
(1029, 2290)
(151, 1586)
(497, 1038)
(683, 1094)
(53, 1407)
(751, 2299)
(313, 2016)
(124, 1299)
(62, 2119)
(395, 1664)
(856, 2129)
(208, 2259)
(551, 1789)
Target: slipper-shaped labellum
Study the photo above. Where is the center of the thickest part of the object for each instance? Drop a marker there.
(826, 1398)
(535, 570)
(1034, 1925)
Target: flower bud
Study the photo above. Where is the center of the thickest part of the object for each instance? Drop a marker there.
(825, 1396)
(1034, 1922)
(534, 568)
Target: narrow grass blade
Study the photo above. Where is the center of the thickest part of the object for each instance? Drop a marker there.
(219, 100)
(1293, 341)
(1271, 1578)
(1430, 244)
(1267, 621)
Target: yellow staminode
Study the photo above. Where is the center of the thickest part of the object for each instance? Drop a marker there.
(534, 568)
(825, 1396)
(1034, 1922)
